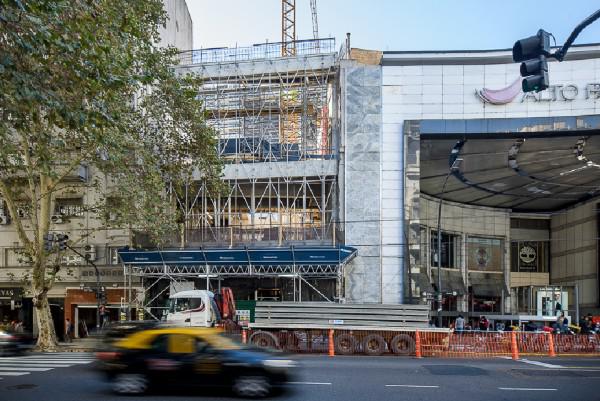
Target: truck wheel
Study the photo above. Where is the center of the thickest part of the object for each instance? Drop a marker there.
(374, 344)
(264, 339)
(345, 344)
(402, 344)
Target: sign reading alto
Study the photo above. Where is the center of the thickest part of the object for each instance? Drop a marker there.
(554, 93)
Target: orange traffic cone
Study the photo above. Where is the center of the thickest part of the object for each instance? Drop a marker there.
(418, 344)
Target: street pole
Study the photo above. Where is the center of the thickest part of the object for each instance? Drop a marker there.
(439, 297)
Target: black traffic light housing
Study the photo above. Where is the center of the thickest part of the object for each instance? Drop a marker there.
(532, 51)
(62, 241)
(48, 242)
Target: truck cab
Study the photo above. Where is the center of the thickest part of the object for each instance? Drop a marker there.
(194, 308)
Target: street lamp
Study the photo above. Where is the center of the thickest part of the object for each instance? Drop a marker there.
(452, 168)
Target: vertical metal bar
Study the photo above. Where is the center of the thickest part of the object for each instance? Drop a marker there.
(576, 305)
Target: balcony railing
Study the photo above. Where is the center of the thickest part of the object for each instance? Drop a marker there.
(256, 52)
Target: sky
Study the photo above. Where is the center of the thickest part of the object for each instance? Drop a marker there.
(395, 25)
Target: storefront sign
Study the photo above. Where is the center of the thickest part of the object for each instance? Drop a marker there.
(528, 257)
(10, 293)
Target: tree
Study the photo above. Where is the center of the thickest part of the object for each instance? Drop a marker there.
(84, 84)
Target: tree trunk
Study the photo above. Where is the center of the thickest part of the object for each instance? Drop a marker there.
(47, 340)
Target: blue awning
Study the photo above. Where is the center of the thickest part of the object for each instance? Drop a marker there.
(294, 255)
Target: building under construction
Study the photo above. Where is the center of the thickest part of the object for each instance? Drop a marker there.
(275, 117)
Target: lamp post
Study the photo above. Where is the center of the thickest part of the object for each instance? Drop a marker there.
(452, 168)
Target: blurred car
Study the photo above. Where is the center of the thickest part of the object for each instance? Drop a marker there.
(14, 343)
(191, 357)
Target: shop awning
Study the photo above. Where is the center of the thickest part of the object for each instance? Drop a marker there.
(452, 280)
(487, 284)
(280, 256)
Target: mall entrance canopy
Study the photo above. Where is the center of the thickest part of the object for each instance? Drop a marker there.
(526, 165)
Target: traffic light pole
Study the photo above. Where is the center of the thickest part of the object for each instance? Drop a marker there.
(562, 52)
(98, 287)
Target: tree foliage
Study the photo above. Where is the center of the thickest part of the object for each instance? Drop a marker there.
(84, 83)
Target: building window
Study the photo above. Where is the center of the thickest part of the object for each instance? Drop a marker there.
(529, 256)
(450, 254)
(69, 207)
(485, 254)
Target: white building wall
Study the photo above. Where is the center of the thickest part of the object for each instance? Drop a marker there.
(448, 90)
(178, 30)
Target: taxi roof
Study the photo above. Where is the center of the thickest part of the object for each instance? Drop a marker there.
(143, 339)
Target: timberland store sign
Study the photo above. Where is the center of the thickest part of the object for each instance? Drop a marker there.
(554, 93)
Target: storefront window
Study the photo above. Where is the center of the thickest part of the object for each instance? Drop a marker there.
(484, 254)
(450, 250)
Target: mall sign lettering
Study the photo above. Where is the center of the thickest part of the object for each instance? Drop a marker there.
(554, 93)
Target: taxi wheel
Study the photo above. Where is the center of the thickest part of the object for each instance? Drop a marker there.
(130, 384)
(252, 386)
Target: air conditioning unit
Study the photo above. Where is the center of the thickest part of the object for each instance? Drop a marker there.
(89, 251)
(4, 220)
(57, 219)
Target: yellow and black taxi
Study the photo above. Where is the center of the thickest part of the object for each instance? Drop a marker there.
(190, 357)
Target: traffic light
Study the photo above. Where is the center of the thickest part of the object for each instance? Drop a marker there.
(532, 51)
(48, 242)
(62, 241)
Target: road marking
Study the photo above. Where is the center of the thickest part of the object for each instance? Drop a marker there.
(7, 368)
(312, 383)
(410, 385)
(526, 389)
(33, 365)
(13, 373)
(51, 361)
(543, 364)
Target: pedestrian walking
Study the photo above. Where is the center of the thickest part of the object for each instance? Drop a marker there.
(68, 331)
(459, 325)
(483, 323)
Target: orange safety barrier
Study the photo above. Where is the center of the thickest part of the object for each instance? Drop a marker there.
(551, 344)
(513, 345)
(331, 347)
(417, 344)
(422, 343)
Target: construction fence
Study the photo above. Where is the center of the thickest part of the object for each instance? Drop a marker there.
(423, 343)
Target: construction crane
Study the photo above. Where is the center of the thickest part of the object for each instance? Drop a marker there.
(313, 10)
(288, 26)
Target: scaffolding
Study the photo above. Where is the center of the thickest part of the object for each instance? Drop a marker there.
(272, 111)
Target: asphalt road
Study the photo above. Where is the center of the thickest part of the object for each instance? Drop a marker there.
(71, 377)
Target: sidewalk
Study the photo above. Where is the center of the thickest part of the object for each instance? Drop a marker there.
(88, 344)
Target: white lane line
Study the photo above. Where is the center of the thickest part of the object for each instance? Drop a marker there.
(13, 373)
(526, 389)
(30, 365)
(312, 383)
(11, 368)
(40, 364)
(410, 385)
(543, 364)
(47, 361)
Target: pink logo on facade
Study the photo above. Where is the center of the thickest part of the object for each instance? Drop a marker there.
(501, 96)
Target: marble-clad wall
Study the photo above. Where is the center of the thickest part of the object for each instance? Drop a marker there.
(361, 103)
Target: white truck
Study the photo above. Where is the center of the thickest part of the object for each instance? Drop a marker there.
(193, 308)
